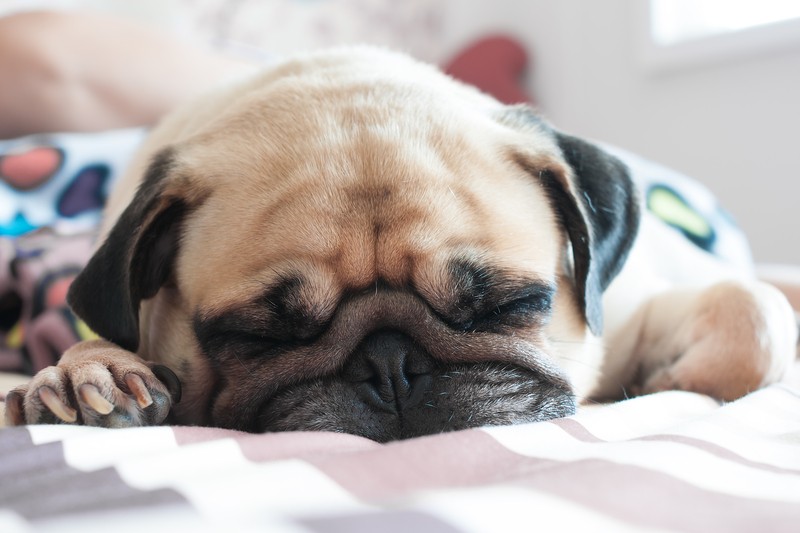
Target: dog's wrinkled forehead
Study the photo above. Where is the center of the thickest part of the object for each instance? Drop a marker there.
(395, 202)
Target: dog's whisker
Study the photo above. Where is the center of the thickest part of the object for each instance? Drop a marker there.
(250, 372)
(593, 342)
(587, 401)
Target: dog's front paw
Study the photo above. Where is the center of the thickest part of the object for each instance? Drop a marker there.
(96, 383)
(735, 339)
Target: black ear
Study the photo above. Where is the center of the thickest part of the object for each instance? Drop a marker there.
(600, 211)
(134, 261)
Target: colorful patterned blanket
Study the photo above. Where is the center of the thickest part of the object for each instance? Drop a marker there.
(52, 190)
(671, 461)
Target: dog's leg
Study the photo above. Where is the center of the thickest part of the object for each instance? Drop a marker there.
(96, 383)
(725, 341)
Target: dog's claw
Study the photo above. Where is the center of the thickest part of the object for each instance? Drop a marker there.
(91, 396)
(57, 406)
(14, 408)
(139, 390)
(99, 384)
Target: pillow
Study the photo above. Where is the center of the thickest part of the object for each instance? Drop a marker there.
(495, 65)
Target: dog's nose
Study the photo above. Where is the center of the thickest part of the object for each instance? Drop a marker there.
(390, 371)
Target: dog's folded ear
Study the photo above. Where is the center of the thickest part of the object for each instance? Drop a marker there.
(601, 216)
(597, 204)
(135, 260)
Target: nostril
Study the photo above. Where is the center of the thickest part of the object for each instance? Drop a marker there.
(389, 379)
(389, 396)
(384, 385)
(388, 369)
(416, 393)
(371, 395)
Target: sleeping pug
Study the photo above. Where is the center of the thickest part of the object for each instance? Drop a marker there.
(355, 242)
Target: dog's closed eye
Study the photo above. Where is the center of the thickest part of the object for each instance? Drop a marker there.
(297, 313)
(240, 332)
(486, 299)
(526, 306)
(283, 317)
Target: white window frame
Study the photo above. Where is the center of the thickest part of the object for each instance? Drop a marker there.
(712, 49)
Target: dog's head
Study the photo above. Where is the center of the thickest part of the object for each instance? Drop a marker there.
(357, 243)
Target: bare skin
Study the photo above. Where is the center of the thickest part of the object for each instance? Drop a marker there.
(86, 72)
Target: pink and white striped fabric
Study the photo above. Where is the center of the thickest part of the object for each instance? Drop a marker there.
(672, 461)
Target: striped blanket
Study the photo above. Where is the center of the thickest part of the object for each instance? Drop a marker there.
(672, 461)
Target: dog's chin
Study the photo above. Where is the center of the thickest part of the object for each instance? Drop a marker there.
(456, 397)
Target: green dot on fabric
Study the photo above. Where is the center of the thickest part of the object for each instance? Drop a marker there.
(672, 209)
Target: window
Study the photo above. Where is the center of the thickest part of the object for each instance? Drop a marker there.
(680, 33)
(674, 21)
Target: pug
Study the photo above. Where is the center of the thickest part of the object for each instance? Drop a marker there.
(354, 242)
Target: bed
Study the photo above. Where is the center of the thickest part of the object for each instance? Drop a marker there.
(673, 461)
